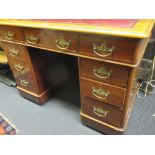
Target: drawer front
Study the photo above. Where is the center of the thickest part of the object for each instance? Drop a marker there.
(23, 75)
(11, 33)
(101, 111)
(108, 48)
(104, 72)
(103, 92)
(15, 51)
(58, 40)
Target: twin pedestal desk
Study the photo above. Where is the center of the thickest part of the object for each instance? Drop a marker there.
(108, 52)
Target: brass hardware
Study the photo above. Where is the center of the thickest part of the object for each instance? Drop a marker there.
(13, 52)
(103, 50)
(102, 73)
(100, 93)
(9, 35)
(24, 83)
(31, 39)
(63, 44)
(100, 112)
(19, 67)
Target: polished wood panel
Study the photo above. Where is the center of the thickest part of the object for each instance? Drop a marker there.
(138, 54)
(119, 53)
(133, 85)
(104, 72)
(23, 75)
(103, 92)
(101, 111)
(11, 33)
(15, 51)
(18, 65)
(59, 40)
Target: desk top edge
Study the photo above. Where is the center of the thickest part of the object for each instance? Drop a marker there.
(141, 29)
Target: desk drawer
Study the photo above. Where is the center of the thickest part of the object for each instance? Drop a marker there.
(103, 92)
(11, 33)
(101, 111)
(104, 72)
(15, 51)
(113, 48)
(23, 75)
(57, 40)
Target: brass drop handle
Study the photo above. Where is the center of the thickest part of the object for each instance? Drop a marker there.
(19, 67)
(31, 39)
(24, 83)
(102, 50)
(100, 93)
(102, 73)
(9, 35)
(100, 112)
(13, 52)
(62, 44)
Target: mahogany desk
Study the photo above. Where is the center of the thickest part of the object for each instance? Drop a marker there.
(108, 51)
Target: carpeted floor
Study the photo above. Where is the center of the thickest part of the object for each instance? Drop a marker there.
(60, 115)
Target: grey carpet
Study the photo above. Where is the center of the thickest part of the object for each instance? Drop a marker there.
(60, 115)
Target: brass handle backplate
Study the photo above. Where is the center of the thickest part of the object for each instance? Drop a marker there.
(13, 52)
(102, 73)
(9, 35)
(100, 93)
(102, 50)
(24, 83)
(62, 44)
(19, 67)
(100, 112)
(31, 39)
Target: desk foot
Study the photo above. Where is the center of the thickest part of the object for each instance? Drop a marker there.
(46, 94)
(39, 99)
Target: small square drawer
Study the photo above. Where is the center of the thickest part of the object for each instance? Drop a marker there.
(101, 111)
(103, 92)
(104, 72)
(23, 75)
(15, 51)
(11, 33)
(57, 40)
(106, 47)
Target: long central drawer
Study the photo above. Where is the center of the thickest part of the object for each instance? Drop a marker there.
(51, 39)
